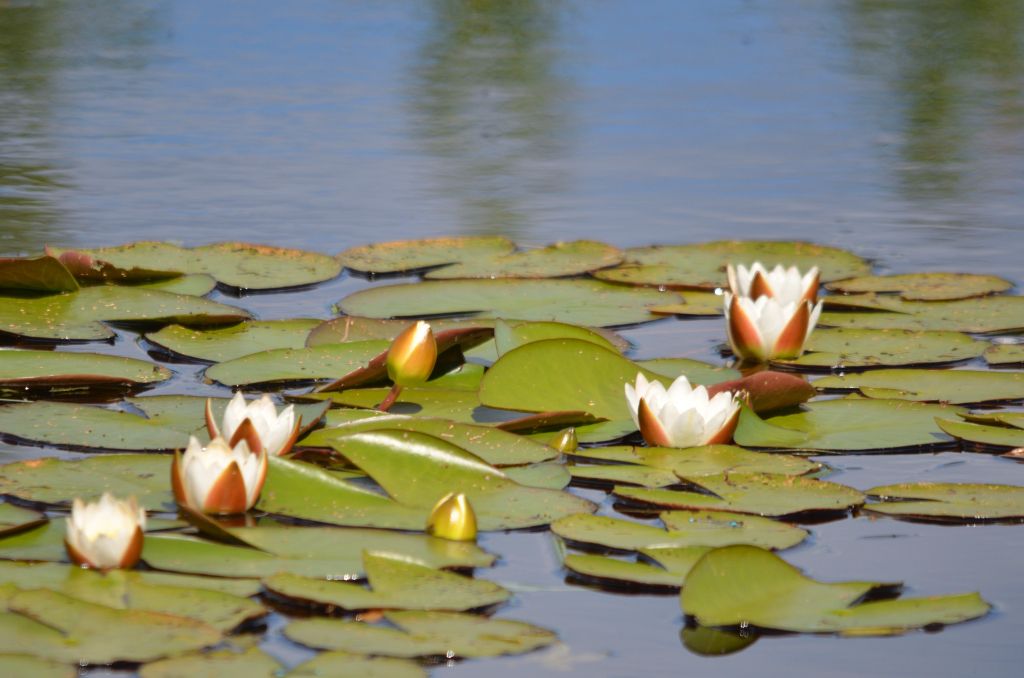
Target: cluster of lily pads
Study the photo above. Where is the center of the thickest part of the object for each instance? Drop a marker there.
(357, 496)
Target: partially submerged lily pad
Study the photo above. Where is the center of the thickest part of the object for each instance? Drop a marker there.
(998, 436)
(410, 255)
(947, 386)
(957, 502)
(296, 364)
(841, 348)
(745, 585)
(228, 343)
(59, 369)
(925, 286)
(558, 260)
(592, 568)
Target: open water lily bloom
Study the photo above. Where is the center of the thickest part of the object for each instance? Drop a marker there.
(783, 284)
(218, 478)
(257, 422)
(106, 534)
(767, 329)
(682, 415)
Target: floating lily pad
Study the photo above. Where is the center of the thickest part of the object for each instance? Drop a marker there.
(296, 364)
(354, 328)
(925, 286)
(997, 418)
(622, 474)
(239, 265)
(578, 302)
(423, 634)
(696, 303)
(37, 274)
(253, 663)
(697, 371)
(848, 425)
(392, 457)
(410, 255)
(625, 573)
(27, 665)
(553, 261)
(347, 665)
(999, 436)
(703, 265)
(960, 502)
(188, 413)
(15, 519)
(58, 369)
(79, 316)
(745, 585)
(510, 335)
(396, 583)
(709, 460)
(979, 316)
(455, 404)
(855, 348)
(761, 494)
(550, 475)
(711, 642)
(947, 386)
(228, 343)
(1005, 354)
(86, 426)
(490, 444)
(682, 528)
(195, 284)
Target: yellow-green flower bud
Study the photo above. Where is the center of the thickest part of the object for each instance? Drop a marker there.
(412, 355)
(565, 440)
(453, 518)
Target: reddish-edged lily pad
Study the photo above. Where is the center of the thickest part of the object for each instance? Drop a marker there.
(38, 274)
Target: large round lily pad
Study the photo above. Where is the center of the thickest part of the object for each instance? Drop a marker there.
(957, 502)
(410, 255)
(745, 585)
(510, 335)
(841, 348)
(925, 286)
(253, 663)
(227, 343)
(58, 481)
(86, 426)
(553, 261)
(296, 364)
(703, 265)
(947, 386)
(994, 314)
(710, 460)
(579, 302)
(58, 369)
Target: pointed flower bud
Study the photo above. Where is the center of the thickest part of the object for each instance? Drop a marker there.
(106, 534)
(767, 329)
(681, 416)
(453, 518)
(565, 440)
(783, 284)
(218, 478)
(256, 422)
(412, 355)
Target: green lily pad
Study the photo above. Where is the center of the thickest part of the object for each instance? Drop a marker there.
(188, 413)
(228, 343)
(296, 364)
(354, 328)
(745, 585)
(947, 386)
(696, 303)
(703, 265)
(45, 543)
(455, 404)
(423, 634)
(957, 502)
(1005, 354)
(194, 284)
(698, 372)
(848, 425)
(58, 369)
(622, 474)
(550, 475)
(253, 663)
(847, 347)
(14, 519)
(682, 528)
(578, 302)
(558, 260)
(510, 335)
(27, 665)
(490, 444)
(709, 642)
(37, 274)
(625, 573)
(390, 457)
(396, 583)
(997, 418)
(997, 314)
(239, 265)
(761, 494)
(709, 460)
(925, 286)
(348, 665)
(85, 426)
(411, 255)
(999, 436)
(54, 626)
(79, 316)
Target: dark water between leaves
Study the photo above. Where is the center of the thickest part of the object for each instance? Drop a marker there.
(895, 129)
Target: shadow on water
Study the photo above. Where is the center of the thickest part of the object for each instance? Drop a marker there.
(487, 101)
(956, 69)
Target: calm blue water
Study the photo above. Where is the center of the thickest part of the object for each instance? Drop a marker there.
(893, 128)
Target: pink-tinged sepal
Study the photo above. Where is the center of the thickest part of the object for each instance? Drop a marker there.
(724, 435)
(790, 342)
(134, 550)
(211, 421)
(811, 288)
(247, 431)
(744, 336)
(760, 287)
(287, 447)
(227, 495)
(651, 428)
(77, 557)
(177, 482)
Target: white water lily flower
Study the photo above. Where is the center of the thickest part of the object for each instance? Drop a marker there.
(105, 534)
(783, 284)
(681, 416)
(257, 422)
(218, 478)
(766, 329)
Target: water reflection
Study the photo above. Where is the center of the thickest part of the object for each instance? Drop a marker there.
(956, 68)
(488, 102)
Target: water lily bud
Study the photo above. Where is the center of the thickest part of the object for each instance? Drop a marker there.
(256, 422)
(219, 478)
(681, 416)
(453, 518)
(565, 440)
(766, 329)
(782, 284)
(106, 534)
(412, 355)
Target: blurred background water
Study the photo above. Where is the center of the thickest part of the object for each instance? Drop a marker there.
(892, 127)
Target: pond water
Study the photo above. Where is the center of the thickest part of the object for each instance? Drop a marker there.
(895, 129)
